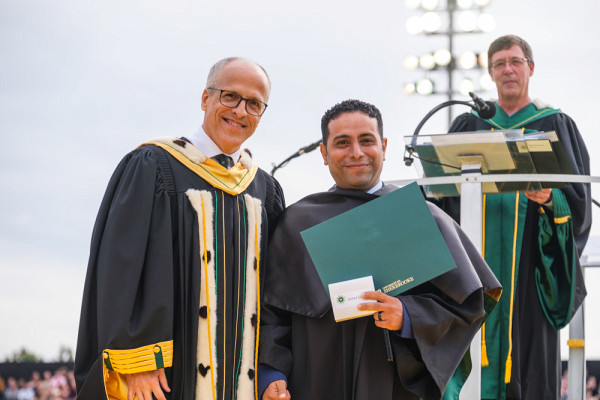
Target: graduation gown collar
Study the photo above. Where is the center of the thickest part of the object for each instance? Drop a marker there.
(233, 181)
(359, 194)
(532, 112)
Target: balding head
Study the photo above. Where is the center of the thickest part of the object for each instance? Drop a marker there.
(211, 80)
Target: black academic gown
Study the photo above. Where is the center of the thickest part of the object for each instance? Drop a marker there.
(143, 281)
(536, 367)
(327, 360)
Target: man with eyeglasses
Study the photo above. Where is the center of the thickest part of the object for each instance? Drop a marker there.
(171, 300)
(532, 241)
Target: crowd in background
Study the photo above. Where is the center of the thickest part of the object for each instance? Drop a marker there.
(591, 387)
(59, 385)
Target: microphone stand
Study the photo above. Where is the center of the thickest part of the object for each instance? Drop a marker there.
(408, 160)
(304, 150)
(470, 207)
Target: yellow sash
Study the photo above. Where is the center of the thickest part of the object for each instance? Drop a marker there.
(233, 181)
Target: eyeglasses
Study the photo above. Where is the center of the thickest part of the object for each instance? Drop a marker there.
(232, 100)
(516, 62)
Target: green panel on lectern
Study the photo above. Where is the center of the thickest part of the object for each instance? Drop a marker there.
(499, 152)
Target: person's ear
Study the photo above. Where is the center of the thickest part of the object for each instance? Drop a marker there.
(323, 149)
(204, 99)
(531, 67)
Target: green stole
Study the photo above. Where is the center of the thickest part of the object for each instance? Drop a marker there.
(504, 223)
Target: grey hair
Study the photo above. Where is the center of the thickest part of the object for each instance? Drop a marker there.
(218, 66)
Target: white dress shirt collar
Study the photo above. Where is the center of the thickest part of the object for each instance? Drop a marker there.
(209, 148)
(375, 188)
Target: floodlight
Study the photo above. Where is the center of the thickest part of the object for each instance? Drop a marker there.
(482, 59)
(467, 60)
(465, 86)
(464, 4)
(412, 4)
(409, 88)
(467, 21)
(431, 22)
(429, 5)
(442, 57)
(411, 62)
(425, 86)
(427, 61)
(486, 82)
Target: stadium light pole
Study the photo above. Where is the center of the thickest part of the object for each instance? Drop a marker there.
(460, 17)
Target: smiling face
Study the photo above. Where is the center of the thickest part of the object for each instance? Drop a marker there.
(354, 151)
(230, 127)
(511, 81)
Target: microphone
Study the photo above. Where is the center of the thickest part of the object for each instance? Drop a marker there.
(485, 109)
(303, 150)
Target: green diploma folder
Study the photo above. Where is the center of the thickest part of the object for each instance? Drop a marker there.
(394, 238)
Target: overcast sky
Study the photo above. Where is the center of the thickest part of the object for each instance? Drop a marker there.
(82, 83)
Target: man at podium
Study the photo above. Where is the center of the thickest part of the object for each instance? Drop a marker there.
(532, 241)
(304, 352)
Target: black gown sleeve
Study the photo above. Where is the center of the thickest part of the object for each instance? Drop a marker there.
(127, 312)
(274, 202)
(578, 194)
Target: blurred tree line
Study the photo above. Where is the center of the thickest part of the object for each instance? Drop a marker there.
(65, 354)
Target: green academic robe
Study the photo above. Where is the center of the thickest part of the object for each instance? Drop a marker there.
(534, 251)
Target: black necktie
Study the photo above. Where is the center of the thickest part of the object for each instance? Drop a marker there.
(224, 160)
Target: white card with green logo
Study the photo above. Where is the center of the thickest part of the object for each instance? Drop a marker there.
(345, 296)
